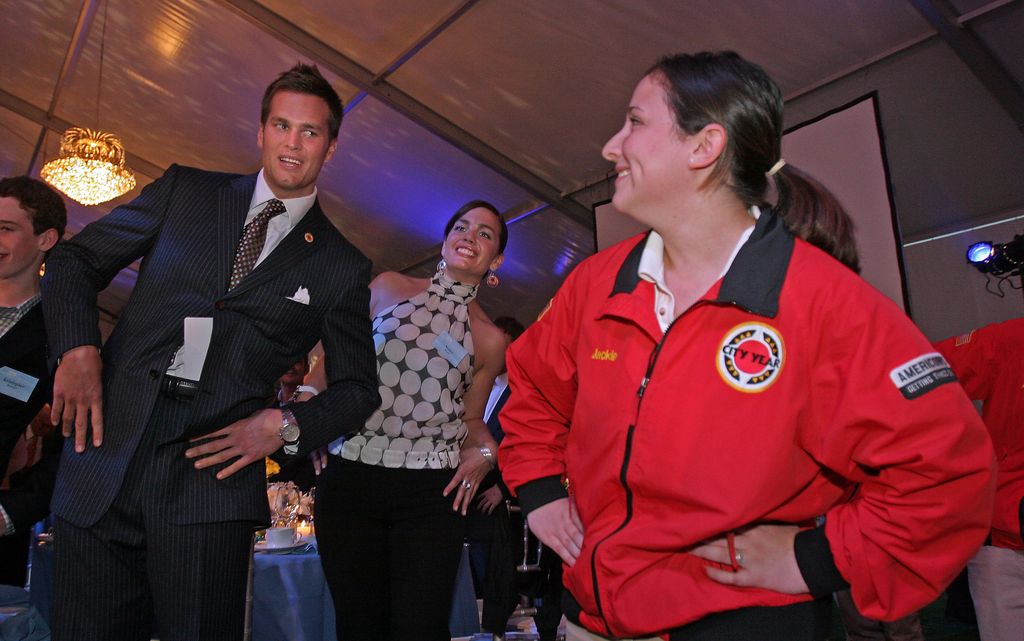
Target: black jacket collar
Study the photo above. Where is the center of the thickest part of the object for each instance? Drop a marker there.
(754, 280)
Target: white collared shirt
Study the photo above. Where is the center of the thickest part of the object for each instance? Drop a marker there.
(500, 383)
(279, 226)
(9, 316)
(652, 269)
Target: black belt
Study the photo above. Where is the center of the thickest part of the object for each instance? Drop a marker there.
(179, 388)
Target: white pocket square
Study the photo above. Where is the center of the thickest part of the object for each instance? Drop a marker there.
(301, 295)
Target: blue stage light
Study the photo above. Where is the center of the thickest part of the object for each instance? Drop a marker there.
(979, 252)
(998, 259)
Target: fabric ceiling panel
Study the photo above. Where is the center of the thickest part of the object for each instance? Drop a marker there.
(182, 82)
(44, 29)
(19, 136)
(544, 84)
(495, 71)
(394, 185)
(371, 32)
(967, 6)
(1001, 34)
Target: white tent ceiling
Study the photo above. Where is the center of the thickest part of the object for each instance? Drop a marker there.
(450, 100)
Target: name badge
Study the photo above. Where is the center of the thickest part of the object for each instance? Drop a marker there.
(16, 384)
(450, 348)
(189, 359)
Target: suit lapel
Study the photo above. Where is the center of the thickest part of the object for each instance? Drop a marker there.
(232, 206)
(300, 242)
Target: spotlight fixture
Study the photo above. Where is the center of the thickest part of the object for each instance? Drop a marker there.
(998, 258)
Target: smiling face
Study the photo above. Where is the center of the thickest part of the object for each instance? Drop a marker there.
(472, 246)
(21, 250)
(296, 142)
(650, 152)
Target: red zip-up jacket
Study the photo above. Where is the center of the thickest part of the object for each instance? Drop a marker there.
(768, 400)
(990, 365)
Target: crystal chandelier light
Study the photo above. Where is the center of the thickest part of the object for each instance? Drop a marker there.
(90, 169)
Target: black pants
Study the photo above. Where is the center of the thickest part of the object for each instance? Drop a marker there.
(807, 621)
(549, 599)
(14, 558)
(860, 628)
(135, 574)
(390, 544)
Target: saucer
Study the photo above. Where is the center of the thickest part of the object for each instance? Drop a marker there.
(263, 547)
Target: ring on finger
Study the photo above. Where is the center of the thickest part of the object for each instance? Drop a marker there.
(467, 485)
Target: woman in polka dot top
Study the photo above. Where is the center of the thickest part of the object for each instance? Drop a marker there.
(391, 499)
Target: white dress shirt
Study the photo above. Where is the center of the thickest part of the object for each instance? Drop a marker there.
(279, 226)
(652, 269)
(500, 383)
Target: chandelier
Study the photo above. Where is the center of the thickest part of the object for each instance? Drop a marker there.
(90, 169)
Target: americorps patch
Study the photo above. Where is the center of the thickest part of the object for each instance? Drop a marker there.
(921, 375)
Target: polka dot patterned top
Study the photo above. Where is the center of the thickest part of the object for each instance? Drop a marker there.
(424, 366)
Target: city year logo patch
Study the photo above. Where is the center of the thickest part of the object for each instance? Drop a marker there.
(751, 357)
(921, 375)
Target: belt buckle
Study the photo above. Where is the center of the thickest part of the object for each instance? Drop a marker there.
(179, 388)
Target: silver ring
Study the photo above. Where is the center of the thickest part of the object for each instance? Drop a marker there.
(739, 558)
(467, 484)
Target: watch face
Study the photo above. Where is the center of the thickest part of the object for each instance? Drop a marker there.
(289, 432)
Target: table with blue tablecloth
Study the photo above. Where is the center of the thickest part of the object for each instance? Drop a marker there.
(291, 601)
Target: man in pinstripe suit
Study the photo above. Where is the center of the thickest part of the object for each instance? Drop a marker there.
(162, 483)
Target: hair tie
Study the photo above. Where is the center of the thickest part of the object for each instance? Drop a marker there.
(779, 164)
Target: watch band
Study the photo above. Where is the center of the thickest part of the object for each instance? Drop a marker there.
(289, 428)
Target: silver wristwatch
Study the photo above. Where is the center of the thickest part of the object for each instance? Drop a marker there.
(289, 432)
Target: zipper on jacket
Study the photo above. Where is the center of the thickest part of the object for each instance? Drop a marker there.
(652, 359)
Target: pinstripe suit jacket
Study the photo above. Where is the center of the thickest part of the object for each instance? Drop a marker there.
(185, 227)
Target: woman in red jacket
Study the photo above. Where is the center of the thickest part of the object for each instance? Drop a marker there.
(699, 396)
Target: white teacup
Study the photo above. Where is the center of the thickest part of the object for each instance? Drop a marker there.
(280, 537)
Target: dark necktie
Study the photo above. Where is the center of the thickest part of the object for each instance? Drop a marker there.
(254, 236)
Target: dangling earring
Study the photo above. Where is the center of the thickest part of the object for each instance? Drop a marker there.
(492, 279)
(441, 265)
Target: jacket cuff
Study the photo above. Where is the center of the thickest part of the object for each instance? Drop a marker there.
(816, 563)
(55, 353)
(539, 492)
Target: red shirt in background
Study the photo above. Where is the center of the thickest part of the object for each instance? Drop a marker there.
(990, 365)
